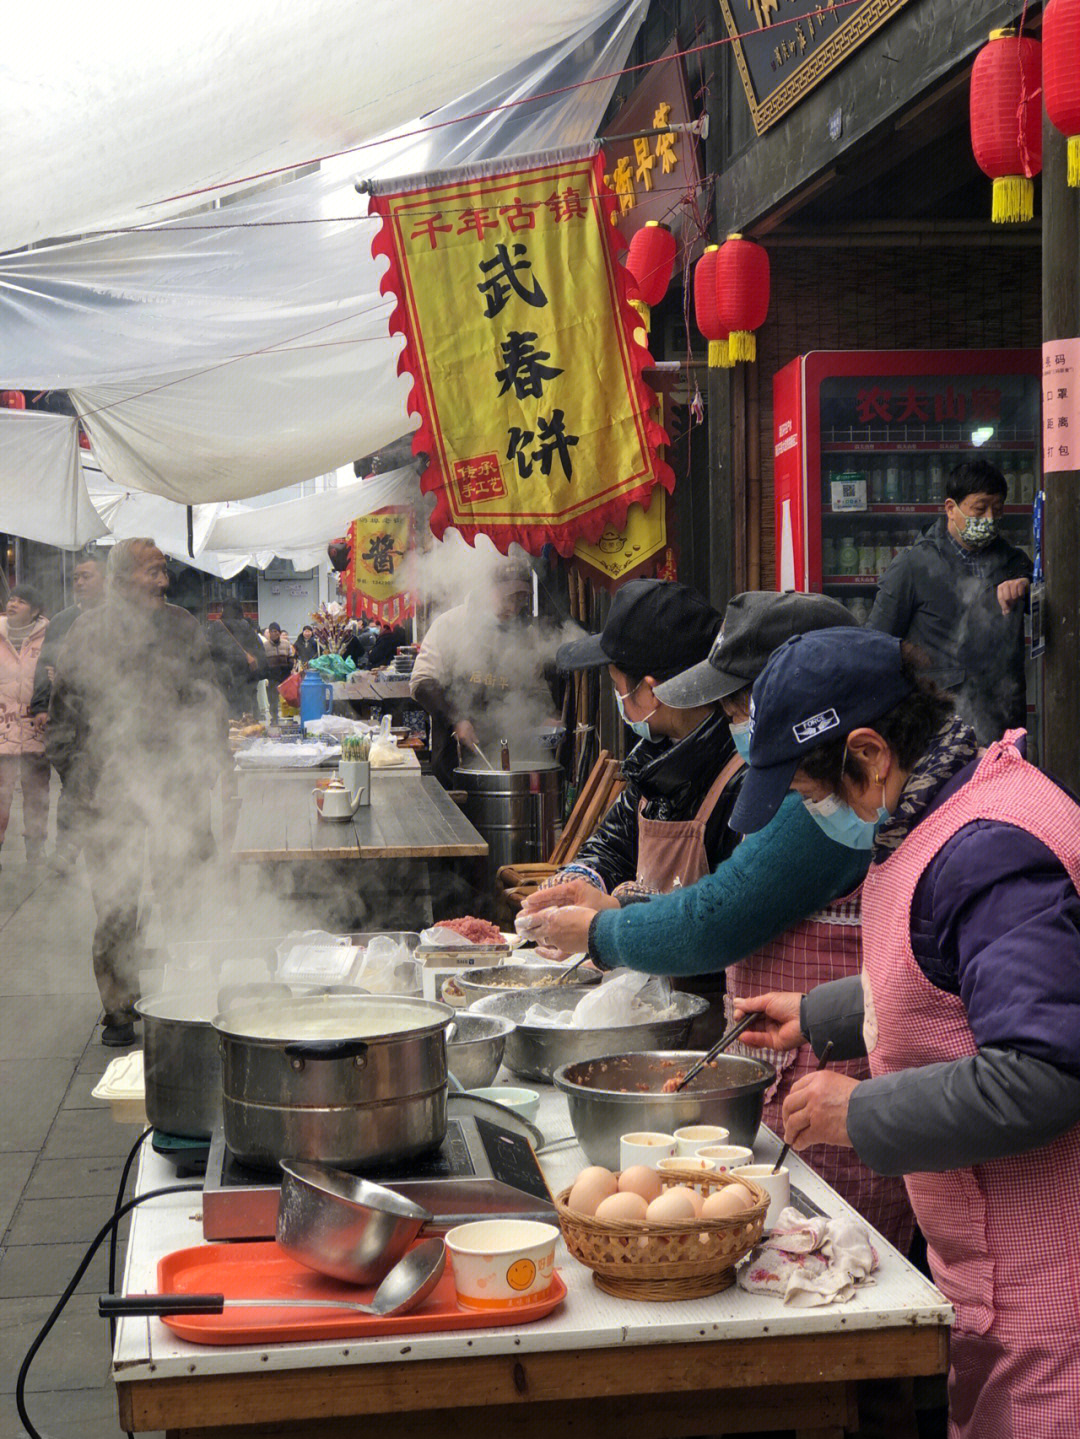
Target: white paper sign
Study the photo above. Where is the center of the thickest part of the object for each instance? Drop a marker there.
(1061, 405)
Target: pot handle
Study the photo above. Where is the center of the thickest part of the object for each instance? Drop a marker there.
(327, 1049)
(121, 1306)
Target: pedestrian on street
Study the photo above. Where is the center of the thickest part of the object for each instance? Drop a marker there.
(22, 747)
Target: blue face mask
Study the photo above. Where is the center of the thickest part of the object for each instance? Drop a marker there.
(841, 823)
(740, 737)
(641, 726)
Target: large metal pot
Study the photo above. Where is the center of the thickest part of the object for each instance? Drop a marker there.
(619, 1093)
(536, 1051)
(515, 810)
(182, 1063)
(344, 1080)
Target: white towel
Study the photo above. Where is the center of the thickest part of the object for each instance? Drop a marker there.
(810, 1261)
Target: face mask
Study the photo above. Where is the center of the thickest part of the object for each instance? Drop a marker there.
(641, 726)
(740, 735)
(841, 823)
(978, 531)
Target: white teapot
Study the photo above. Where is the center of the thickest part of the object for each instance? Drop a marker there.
(336, 802)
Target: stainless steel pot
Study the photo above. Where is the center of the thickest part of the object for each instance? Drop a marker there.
(617, 1093)
(515, 810)
(535, 1051)
(335, 1079)
(182, 1064)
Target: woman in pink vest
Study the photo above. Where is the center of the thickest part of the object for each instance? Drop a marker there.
(22, 744)
(968, 1007)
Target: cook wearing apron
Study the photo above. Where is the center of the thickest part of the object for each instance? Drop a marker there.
(970, 991)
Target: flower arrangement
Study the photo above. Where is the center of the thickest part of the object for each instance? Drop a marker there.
(329, 624)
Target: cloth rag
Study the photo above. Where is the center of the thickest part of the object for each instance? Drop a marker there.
(812, 1261)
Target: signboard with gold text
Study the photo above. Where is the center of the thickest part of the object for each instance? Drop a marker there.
(521, 345)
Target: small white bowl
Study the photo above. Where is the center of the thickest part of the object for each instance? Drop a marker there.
(501, 1263)
(645, 1146)
(694, 1137)
(727, 1156)
(525, 1102)
(777, 1186)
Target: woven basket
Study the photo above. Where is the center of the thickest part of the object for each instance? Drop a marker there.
(636, 1259)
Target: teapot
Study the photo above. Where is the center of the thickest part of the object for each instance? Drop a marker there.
(336, 802)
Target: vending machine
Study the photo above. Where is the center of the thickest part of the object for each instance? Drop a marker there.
(864, 440)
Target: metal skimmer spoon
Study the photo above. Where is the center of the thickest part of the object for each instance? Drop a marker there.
(406, 1286)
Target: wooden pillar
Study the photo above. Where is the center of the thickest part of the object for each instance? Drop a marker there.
(1061, 541)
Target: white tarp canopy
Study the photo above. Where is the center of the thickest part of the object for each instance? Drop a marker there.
(217, 363)
(43, 494)
(108, 110)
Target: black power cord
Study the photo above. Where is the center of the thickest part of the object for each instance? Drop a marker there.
(109, 1227)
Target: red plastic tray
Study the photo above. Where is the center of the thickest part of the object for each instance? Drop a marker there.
(249, 1269)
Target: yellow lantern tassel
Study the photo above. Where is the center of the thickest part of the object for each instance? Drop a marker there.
(645, 312)
(1073, 152)
(743, 345)
(720, 355)
(1014, 199)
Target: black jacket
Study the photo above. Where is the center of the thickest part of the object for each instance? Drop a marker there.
(674, 779)
(947, 605)
(55, 636)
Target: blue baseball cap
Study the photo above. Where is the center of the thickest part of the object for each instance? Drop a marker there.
(815, 687)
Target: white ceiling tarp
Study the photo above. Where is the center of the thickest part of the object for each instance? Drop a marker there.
(310, 521)
(218, 363)
(43, 494)
(109, 109)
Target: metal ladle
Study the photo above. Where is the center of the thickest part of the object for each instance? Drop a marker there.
(406, 1286)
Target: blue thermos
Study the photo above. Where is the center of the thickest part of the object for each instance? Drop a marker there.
(316, 697)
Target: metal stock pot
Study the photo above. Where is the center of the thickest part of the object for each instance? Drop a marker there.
(343, 1080)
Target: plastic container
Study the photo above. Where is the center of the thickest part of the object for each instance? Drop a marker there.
(316, 698)
(123, 1085)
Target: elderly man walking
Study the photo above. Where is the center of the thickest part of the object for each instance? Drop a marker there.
(136, 731)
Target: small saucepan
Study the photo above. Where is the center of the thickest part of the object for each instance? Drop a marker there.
(342, 1225)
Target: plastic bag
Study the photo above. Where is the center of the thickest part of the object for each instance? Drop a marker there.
(628, 997)
(335, 726)
(389, 968)
(384, 751)
(332, 667)
(440, 938)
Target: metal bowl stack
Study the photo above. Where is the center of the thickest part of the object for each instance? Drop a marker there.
(475, 1052)
(617, 1094)
(536, 979)
(536, 1051)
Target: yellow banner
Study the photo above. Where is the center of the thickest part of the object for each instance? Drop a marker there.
(375, 578)
(619, 554)
(527, 373)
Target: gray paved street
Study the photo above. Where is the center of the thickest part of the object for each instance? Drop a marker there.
(60, 1151)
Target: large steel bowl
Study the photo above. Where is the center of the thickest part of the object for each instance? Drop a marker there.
(536, 979)
(616, 1094)
(474, 1054)
(536, 1051)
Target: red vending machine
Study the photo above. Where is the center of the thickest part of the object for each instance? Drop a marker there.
(864, 440)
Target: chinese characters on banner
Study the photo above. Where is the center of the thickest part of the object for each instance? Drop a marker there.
(527, 374)
(1061, 406)
(375, 580)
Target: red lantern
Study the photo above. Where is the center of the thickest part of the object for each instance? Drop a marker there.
(1061, 75)
(742, 293)
(650, 260)
(12, 400)
(706, 310)
(1006, 121)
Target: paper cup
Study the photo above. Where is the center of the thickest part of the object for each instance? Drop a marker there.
(777, 1186)
(682, 1163)
(694, 1137)
(501, 1263)
(726, 1156)
(645, 1147)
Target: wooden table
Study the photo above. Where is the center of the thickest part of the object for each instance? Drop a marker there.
(600, 1367)
(408, 818)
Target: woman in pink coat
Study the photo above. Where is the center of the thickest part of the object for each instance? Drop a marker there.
(22, 741)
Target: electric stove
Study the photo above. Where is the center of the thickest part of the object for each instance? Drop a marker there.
(480, 1171)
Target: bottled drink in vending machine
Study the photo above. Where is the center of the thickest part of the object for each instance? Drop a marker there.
(847, 561)
(937, 479)
(884, 553)
(867, 553)
(892, 481)
(828, 557)
(920, 482)
(877, 484)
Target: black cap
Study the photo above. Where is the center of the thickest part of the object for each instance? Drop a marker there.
(816, 687)
(755, 623)
(654, 627)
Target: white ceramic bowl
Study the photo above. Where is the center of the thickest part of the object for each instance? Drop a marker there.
(727, 1156)
(501, 1263)
(694, 1137)
(525, 1102)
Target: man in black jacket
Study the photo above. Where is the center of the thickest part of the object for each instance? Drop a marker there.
(959, 594)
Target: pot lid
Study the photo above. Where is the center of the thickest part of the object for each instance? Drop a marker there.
(331, 1016)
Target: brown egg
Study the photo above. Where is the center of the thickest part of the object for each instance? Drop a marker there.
(640, 1179)
(621, 1206)
(590, 1187)
(732, 1199)
(673, 1204)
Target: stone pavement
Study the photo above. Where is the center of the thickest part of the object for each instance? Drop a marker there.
(60, 1151)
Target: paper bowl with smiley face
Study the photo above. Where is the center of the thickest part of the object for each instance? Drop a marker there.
(502, 1263)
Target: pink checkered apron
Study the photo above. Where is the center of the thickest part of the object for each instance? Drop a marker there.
(826, 946)
(1003, 1237)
